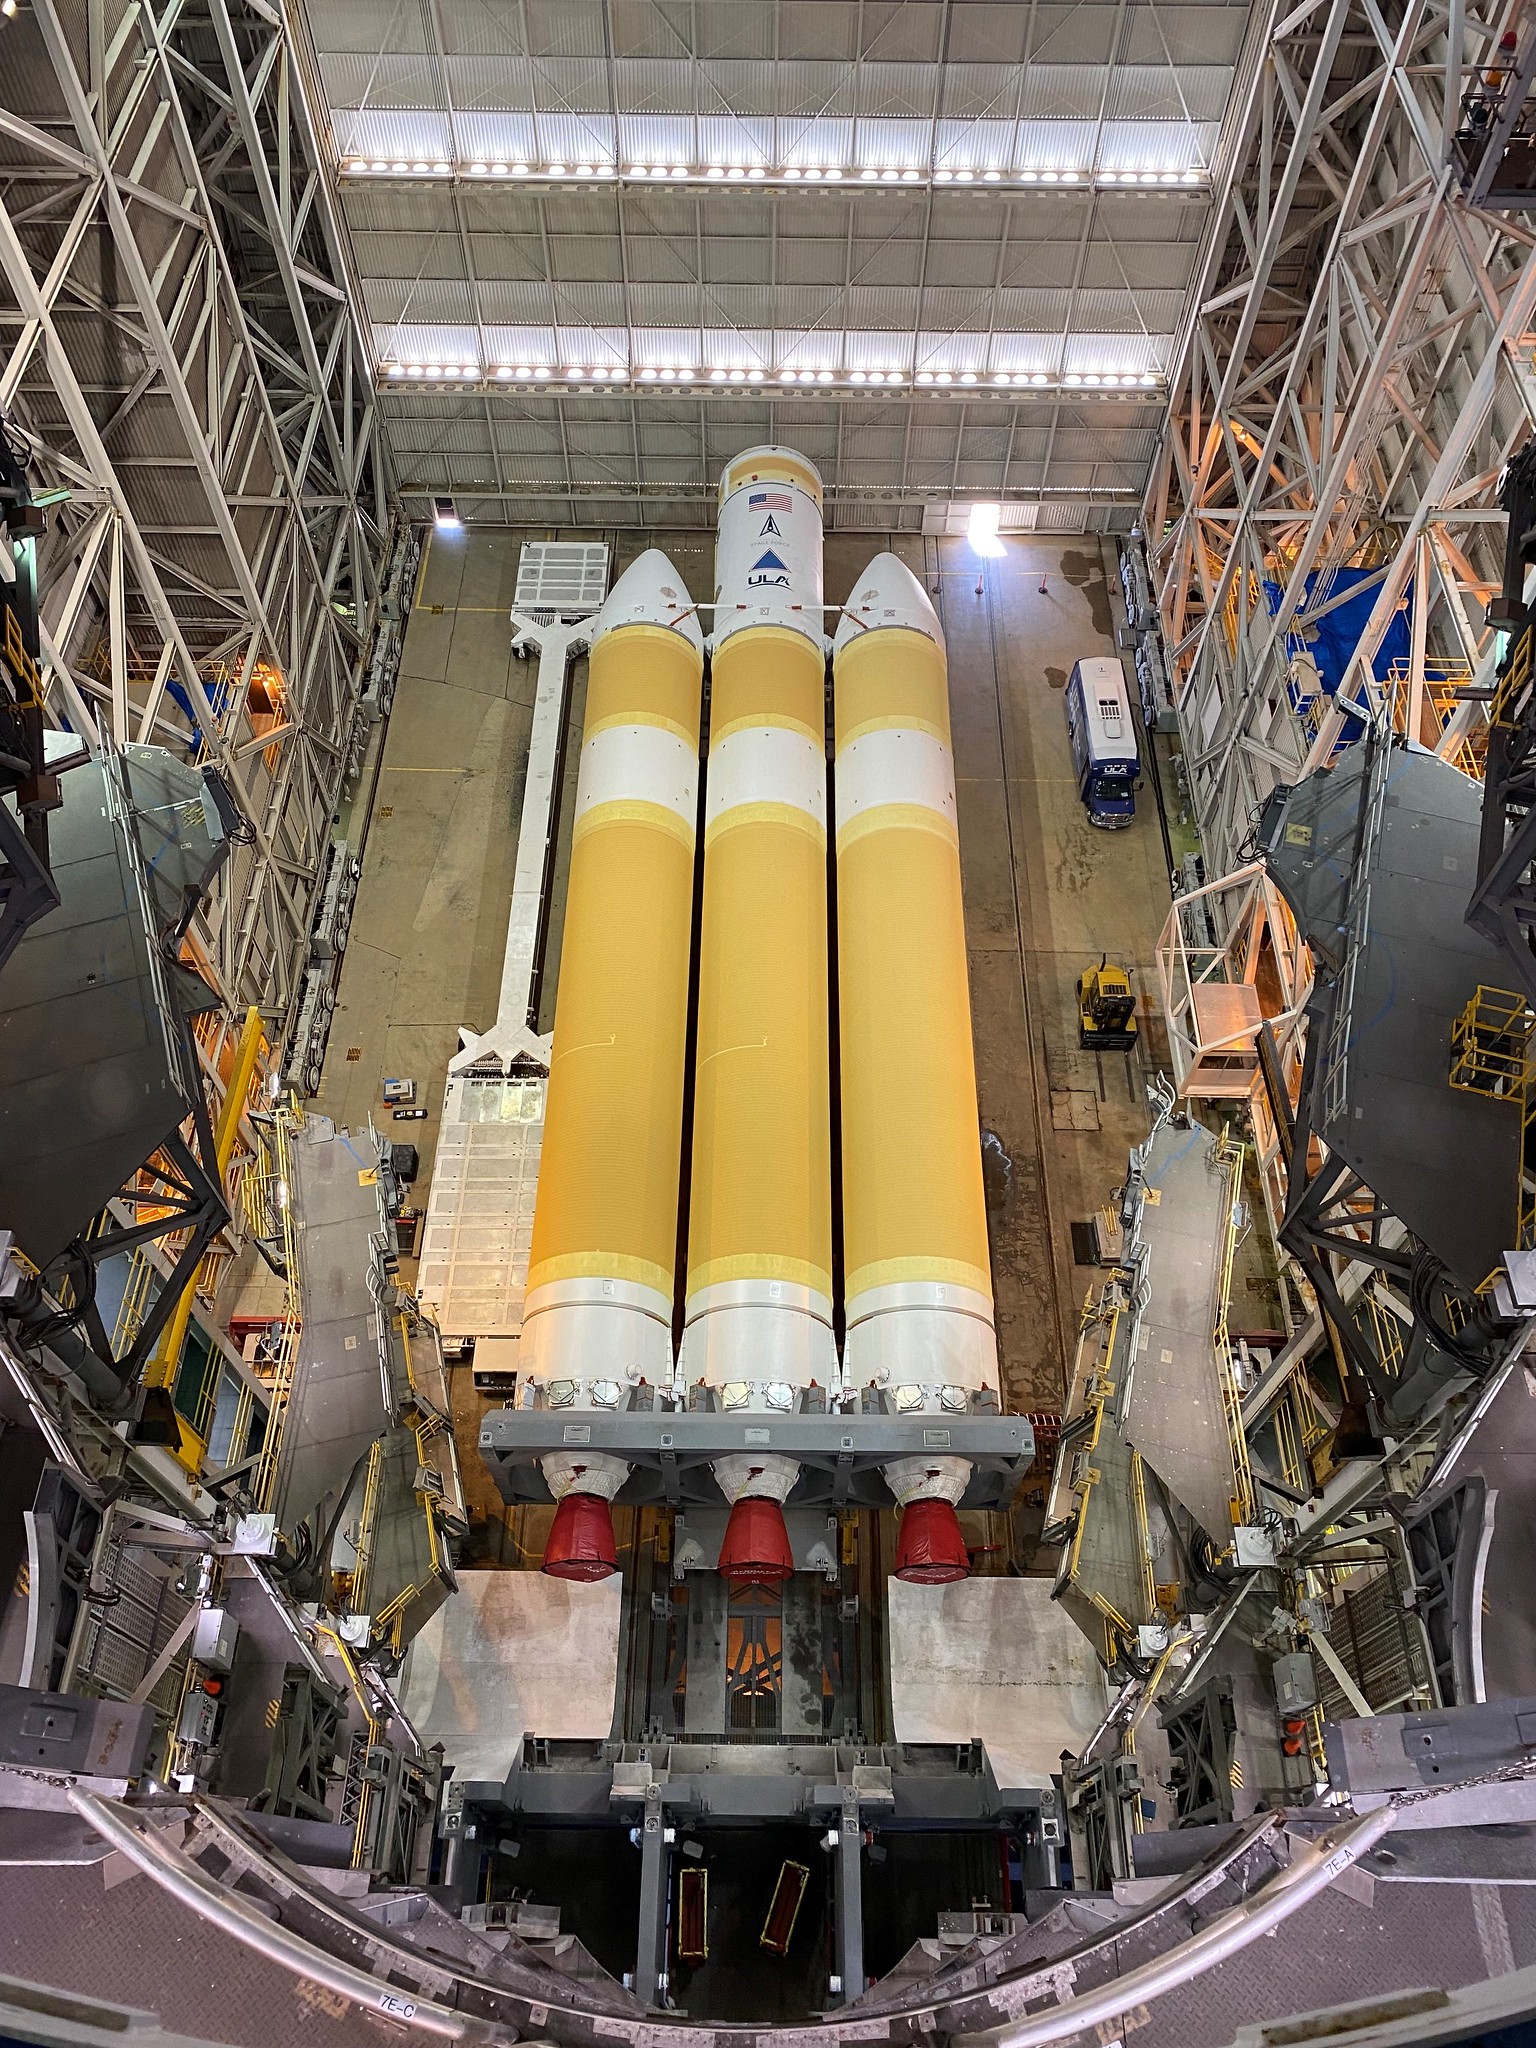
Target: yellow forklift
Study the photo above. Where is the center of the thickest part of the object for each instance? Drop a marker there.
(1106, 1009)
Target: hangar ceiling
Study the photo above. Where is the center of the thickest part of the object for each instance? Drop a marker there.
(943, 245)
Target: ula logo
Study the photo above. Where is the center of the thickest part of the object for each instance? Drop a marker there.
(768, 569)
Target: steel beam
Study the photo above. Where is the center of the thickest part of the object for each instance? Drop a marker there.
(214, 544)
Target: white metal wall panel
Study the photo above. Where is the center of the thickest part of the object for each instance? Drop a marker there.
(1189, 34)
(951, 308)
(468, 25)
(1163, 92)
(594, 305)
(516, 302)
(809, 89)
(900, 90)
(368, 25)
(995, 30)
(976, 92)
(380, 79)
(1118, 352)
(397, 209)
(656, 139)
(393, 136)
(820, 141)
(735, 30)
(745, 86)
(1057, 92)
(593, 347)
(741, 140)
(883, 142)
(1108, 311)
(406, 342)
(1031, 312)
(977, 145)
(559, 28)
(655, 85)
(490, 82)
(532, 343)
(1157, 145)
(1056, 145)
(913, 32)
(578, 83)
(424, 302)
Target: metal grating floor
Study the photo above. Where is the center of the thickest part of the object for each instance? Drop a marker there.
(479, 1229)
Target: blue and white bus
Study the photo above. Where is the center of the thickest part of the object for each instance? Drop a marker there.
(1103, 741)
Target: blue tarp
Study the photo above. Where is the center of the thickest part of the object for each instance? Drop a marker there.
(1332, 639)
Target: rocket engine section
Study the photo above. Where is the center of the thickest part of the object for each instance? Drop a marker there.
(597, 1319)
(917, 1273)
(758, 1316)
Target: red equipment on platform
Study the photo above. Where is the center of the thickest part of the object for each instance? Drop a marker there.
(756, 1547)
(931, 1550)
(581, 1542)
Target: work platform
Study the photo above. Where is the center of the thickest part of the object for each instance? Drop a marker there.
(672, 1451)
(1376, 857)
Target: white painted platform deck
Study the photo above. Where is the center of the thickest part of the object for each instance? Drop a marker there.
(996, 1659)
(515, 1653)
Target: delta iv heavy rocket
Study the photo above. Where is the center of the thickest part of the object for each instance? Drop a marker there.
(758, 1317)
(758, 1333)
(597, 1319)
(917, 1285)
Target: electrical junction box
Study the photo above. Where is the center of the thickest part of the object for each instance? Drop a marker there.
(214, 1635)
(1295, 1680)
(198, 1715)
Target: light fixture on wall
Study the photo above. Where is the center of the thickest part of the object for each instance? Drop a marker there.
(981, 529)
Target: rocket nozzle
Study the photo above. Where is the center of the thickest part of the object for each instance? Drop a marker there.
(755, 1551)
(581, 1544)
(931, 1550)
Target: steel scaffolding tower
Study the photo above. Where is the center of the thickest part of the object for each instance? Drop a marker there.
(1353, 374)
(187, 379)
(1354, 371)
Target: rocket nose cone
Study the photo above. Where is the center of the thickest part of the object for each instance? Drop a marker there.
(886, 594)
(650, 593)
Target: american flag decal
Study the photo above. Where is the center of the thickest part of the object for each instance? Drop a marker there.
(769, 501)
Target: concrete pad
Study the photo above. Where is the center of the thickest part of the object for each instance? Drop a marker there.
(514, 1654)
(996, 1659)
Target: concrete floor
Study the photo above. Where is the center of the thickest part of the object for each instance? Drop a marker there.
(1045, 892)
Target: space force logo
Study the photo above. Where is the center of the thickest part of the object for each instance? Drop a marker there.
(768, 570)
